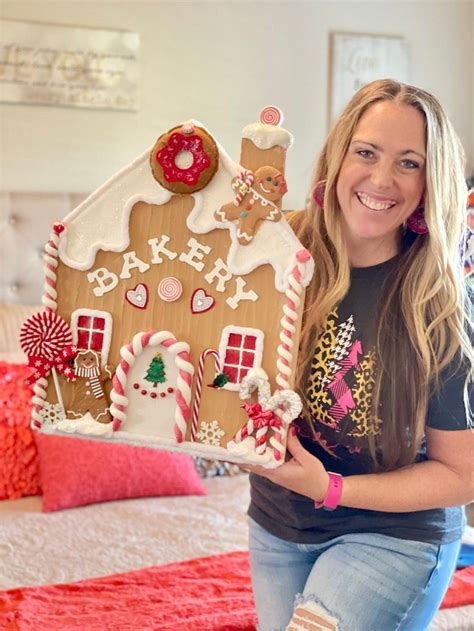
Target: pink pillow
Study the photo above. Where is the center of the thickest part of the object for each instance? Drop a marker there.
(18, 457)
(75, 471)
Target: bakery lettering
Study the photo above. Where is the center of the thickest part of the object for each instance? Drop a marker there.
(107, 280)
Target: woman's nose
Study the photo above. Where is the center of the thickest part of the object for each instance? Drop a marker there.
(381, 175)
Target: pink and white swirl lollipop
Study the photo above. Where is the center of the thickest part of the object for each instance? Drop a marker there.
(271, 115)
(47, 341)
(170, 289)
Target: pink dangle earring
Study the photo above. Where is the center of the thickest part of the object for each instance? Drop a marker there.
(318, 193)
(416, 221)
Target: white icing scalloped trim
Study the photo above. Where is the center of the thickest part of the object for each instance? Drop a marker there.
(101, 221)
(266, 136)
(86, 425)
(274, 244)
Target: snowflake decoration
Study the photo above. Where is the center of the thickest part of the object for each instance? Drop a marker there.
(51, 413)
(210, 433)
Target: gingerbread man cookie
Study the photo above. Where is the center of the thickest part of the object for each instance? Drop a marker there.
(258, 199)
(89, 395)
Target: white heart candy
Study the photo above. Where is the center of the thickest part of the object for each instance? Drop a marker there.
(138, 297)
(201, 302)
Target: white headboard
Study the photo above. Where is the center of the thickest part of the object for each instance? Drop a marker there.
(25, 225)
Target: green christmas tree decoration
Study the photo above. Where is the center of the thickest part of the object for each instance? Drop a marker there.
(156, 371)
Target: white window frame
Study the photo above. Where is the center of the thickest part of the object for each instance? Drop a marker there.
(107, 330)
(224, 345)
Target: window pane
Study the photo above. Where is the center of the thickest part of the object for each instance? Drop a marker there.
(233, 373)
(99, 324)
(82, 339)
(97, 339)
(232, 356)
(243, 372)
(84, 321)
(248, 359)
(235, 340)
(250, 342)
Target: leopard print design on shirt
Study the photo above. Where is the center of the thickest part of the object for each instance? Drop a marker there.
(340, 386)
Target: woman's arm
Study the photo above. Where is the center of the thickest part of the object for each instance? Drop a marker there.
(445, 479)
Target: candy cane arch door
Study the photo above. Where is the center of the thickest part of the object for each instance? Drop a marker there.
(151, 392)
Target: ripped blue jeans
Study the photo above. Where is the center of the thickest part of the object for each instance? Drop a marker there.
(357, 582)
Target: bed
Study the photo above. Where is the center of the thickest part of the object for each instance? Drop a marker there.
(134, 561)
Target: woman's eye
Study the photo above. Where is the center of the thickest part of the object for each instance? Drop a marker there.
(365, 153)
(410, 164)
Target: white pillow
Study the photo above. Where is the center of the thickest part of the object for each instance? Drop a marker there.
(11, 318)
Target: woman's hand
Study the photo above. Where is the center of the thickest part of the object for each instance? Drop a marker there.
(303, 474)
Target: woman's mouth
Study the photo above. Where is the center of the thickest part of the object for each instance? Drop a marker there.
(375, 204)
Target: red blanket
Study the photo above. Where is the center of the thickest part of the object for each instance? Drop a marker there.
(209, 594)
(461, 590)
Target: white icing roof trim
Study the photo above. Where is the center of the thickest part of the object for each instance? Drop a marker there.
(274, 243)
(265, 136)
(101, 221)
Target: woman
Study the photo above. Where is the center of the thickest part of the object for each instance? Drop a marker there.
(361, 528)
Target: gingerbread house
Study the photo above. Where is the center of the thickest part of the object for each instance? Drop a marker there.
(181, 286)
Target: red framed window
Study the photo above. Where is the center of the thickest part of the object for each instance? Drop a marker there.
(239, 350)
(92, 330)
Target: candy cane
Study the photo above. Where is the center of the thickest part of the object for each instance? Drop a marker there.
(198, 393)
(38, 400)
(243, 182)
(293, 300)
(51, 262)
(49, 301)
(287, 404)
(261, 440)
(246, 430)
(129, 353)
(255, 379)
(261, 437)
(277, 442)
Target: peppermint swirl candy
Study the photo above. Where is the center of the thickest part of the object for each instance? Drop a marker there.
(271, 115)
(170, 289)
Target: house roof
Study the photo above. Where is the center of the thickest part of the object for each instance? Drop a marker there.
(101, 221)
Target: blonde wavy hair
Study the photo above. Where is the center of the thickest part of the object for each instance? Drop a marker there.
(424, 319)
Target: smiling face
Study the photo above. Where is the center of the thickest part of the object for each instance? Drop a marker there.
(86, 359)
(381, 181)
(270, 183)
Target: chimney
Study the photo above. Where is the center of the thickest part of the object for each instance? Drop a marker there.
(265, 143)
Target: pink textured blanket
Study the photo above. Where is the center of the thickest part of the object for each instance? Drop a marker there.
(209, 594)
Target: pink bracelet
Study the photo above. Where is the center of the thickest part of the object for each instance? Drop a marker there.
(333, 494)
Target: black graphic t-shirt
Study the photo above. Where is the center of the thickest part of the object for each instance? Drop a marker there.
(340, 386)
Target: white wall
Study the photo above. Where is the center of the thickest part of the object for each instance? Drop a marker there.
(221, 62)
